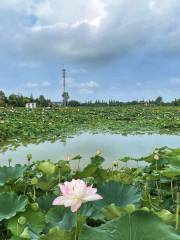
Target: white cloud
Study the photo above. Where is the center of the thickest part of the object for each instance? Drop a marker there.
(87, 87)
(32, 85)
(89, 31)
(46, 84)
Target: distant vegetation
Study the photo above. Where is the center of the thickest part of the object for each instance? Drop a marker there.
(18, 100)
(26, 125)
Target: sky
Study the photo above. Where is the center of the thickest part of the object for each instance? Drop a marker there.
(112, 49)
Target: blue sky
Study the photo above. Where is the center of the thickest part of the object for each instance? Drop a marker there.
(112, 49)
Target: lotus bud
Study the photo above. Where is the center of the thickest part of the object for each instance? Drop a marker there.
(115, 164)
(34, 181)
(9, 160)
(68, 158)
(98, 152)
(22, 220)
(29, 157)
(156, 157)
(131, 208)
(35, 206)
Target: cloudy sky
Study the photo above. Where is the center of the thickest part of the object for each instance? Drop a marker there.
(112, 49)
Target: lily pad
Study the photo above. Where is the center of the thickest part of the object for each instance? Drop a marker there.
(47, 167)
(10, 174)
(11, 204)
(139, 225)
(59, 216)
(57, 233)
(119, 194)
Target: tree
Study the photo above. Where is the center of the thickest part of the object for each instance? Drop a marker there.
(159, 100)
(73, 103)
(65, 96)
(2, 98)
(43, 102)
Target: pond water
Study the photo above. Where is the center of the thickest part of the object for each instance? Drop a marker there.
(112, 146)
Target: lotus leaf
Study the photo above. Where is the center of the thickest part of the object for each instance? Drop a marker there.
(11, 204)
(139, 225)
(10, 174)
(118, 193)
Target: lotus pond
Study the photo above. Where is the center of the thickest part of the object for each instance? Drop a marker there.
(138, 203)
(22, 125)
(138, 178)
(113, 147)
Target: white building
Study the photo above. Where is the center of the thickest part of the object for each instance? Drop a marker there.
(31, 105)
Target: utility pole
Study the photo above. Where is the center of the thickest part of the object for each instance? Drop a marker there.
(65, 94)
(64, 79)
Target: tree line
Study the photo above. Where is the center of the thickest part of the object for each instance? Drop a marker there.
(157, 102)
(18, 100)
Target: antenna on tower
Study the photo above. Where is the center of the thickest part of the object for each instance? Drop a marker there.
(64, 79)
(65, 94)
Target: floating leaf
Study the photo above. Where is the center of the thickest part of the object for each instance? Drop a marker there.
(10, 174)
(62, 217)
(57, 233)
(118, 193)
(11, 204)
(47, 167)
(139, 225)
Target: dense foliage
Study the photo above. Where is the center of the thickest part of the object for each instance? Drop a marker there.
(26, 125)
(18, 100)
(137, 203)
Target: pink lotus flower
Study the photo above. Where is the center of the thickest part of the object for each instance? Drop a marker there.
(75, 193)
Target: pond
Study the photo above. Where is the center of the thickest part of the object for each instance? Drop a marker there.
(112, 146)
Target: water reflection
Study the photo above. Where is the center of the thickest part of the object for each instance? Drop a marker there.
(113, 147)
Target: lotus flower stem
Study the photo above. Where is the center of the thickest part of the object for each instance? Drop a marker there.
(59, 174)
(156, 166)
(34, 193)
(17, 229)
(177, 210)
(172, 193)
(146, 190)
(157, 187)
(79, 161)
(137, 161)
(76, 229)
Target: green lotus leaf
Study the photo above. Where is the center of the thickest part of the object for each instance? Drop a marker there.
(77, 157)
(171, 172)
(61, 217)
(90, 210)
(45, 201)
(11, 204)
(118, 193)
(16, 238)
(64, 167)
(166, 216)
(112, 211)
(10, 174)
(46, 183)
(97, 160)
(87, 171)
(57, 233)
(34, 220)
(139, 225)
(47, 167)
